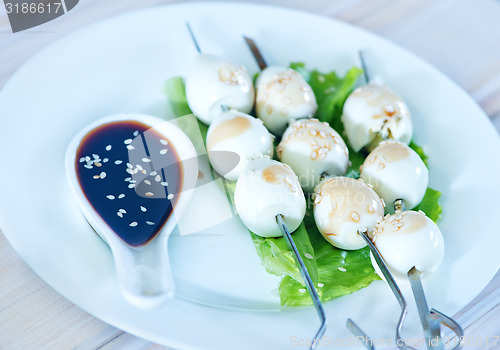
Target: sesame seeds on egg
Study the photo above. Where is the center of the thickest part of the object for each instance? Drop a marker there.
(346, 206)
(312, 149)
(283, 95)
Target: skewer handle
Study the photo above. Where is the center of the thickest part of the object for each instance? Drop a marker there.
(392, 283)
(307, 279)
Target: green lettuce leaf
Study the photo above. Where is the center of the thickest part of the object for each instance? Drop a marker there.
(331, 91)
(430, 204)
(420, 152)
(279, 260)
(340, 272)
(175, 91)
(275, 255)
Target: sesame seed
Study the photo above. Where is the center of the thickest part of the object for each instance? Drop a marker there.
(146, 160)
(121, 196)
(118, 162)
(149, 194)
(147, 182)
(129, 166)
(133, 224)
(87, 158)
(321, 284)
(102, 175)
(143, 171)
(130, 147)
(110, 197)
(122, 211)
(127, 141)
(119, 214)
(317, 199)
(108, 148)
(105, 160)
(150, 222)
(170, 196)
(82, 159)
(139, 167)
(342, 269)
(164, 151)
(130, 171)
(302, 290)
(131, 186)
(97, 164)
(308, 256)
(96, 177)
(157, 178)
(143, 209)
(164, 142)
(95, 156)
(153, 173)
(164, 184)
(88, 166)
(136, 133)
(127, 179)
(355, 216)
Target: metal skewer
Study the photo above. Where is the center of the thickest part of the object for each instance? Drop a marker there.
(363, 65)
(195, 42)
(256, 53)
(224, 108)
(307, 279)
(431, 319)
(288, 237)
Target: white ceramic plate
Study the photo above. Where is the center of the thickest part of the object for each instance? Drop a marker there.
(224, 296)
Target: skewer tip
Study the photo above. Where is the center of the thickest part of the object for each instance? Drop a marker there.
(191, 33)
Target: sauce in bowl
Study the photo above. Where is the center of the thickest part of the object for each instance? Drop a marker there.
(131, 176)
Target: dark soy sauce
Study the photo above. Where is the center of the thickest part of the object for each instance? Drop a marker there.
(131, 175)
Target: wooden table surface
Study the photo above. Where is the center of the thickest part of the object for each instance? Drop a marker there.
(460, 38)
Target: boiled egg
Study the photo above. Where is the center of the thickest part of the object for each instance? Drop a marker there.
(283, 95)
(214, 85)
(342, 206)
(265, 189)
(373, 113)
(407, 239)
(312, 148)
(396, 172)
(236, 133)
